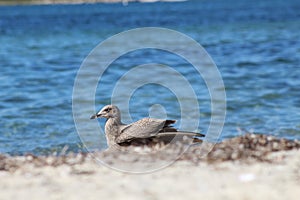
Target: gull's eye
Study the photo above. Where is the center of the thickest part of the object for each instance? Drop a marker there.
(107, 109)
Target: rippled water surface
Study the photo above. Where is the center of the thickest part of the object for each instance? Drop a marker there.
(255, 45)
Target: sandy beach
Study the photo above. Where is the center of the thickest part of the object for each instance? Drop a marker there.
(79, 176)
(246, 49)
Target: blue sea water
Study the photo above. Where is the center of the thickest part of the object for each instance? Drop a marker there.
(255, 45)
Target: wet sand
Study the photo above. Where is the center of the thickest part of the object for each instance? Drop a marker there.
(247, 167)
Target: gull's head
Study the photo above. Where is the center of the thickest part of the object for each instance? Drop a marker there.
(109, 111)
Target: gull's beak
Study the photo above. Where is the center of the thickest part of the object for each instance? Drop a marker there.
(95, 116)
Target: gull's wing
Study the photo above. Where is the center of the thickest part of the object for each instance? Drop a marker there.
(165, 138)
(143, 128)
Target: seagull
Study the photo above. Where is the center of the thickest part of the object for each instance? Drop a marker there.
(142, 132)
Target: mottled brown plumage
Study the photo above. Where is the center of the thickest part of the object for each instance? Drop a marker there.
(141, 132)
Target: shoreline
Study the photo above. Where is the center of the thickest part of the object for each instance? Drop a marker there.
(50, 2)
(249, 148)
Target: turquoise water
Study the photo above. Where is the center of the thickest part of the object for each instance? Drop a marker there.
(255, 45)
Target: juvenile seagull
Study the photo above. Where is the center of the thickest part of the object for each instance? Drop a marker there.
(143, 131)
